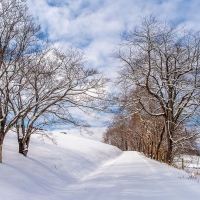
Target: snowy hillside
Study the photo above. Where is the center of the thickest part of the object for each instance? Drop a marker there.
(48, 167)
(78, 168)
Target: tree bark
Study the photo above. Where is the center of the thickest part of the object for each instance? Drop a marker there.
(169, 150)
(25, 146)
(20, 142)
(126, 145)
(151, 149)
(159, 143)
(2, 135)
(1, 153)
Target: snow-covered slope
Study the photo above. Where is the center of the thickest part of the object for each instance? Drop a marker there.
(135, 177)
(49, 168)
(82, 169)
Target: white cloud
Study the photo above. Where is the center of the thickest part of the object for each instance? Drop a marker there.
(94, 26)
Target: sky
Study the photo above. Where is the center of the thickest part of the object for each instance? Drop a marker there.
(94, 27)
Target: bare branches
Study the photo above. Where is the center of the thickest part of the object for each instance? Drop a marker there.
(160, 68)
(39, 84)
(55, 82)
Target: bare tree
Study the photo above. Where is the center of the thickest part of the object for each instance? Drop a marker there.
(54, 83)
(162, 60)
(17, 38)
(40, 85)
(138, 132)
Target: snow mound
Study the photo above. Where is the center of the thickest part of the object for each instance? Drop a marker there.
(49, 168)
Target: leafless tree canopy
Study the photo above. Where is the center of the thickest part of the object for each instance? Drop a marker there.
(54, 83)
(17, 38)
(159, 75)
(40, 85)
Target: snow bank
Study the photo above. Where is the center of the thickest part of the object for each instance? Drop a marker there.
(49, 168)
(83, 169)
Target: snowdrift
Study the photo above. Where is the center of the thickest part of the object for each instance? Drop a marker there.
(49, 168)
(83, 169)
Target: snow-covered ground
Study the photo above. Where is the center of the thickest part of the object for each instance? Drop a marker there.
(80, 169)
(191, 163)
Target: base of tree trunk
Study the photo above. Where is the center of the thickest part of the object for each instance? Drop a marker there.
(20, 145)
(1, 153)
(25, 152)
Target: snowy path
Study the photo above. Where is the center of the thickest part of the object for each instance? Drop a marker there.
(83, 169)
(132, 176)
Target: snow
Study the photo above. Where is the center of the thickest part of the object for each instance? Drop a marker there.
(97, 133)
(20, 133)
(80, 169)
(191, 163)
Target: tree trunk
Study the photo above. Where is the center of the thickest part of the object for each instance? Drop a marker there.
(126, 145)
(1, 153)
(151, 149)
(2, 135)
(159, 143)
(25, 146)
(169, 150)
(21, 146)
(21, 134)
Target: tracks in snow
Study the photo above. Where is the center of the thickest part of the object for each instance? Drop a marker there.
(132, 176)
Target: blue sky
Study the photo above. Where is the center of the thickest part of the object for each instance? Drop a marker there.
(94, 26)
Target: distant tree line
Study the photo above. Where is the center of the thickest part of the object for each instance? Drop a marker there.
(40, 85)
(159, 98)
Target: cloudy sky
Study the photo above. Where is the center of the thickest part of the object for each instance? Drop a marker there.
(94, 26)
